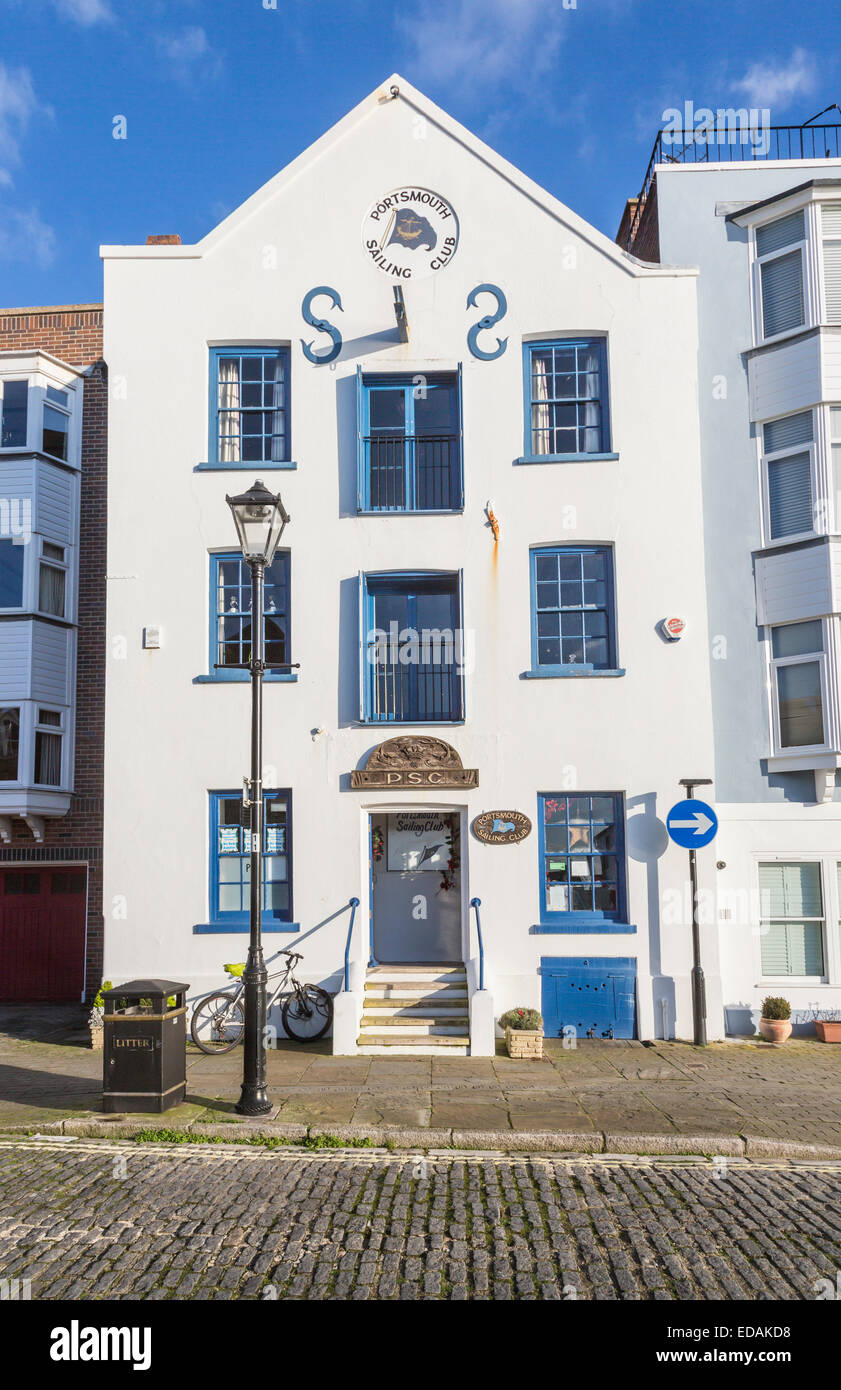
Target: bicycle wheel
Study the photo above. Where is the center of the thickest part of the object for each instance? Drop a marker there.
(217, 1023)
(307, 1013)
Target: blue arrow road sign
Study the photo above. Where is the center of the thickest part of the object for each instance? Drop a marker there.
(692, 824)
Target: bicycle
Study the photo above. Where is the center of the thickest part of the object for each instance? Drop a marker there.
(218, 1023)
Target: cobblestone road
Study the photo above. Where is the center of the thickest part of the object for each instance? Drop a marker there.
(130, 1221)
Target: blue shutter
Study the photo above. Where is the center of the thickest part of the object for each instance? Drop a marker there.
(784, 231)
(788, 432)
(831, 227)
(361, 485)
(792, 948)
(832, 280)
(363, 644)
(460, 610)
(790, 890)
(782, 294)
(790, 495)
(457, 492)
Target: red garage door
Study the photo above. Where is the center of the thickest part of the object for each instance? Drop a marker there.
(42, 933)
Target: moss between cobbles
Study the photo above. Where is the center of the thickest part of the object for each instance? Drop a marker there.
(260, 1141)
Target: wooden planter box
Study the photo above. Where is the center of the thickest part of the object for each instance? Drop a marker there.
(96, 1034)
(524, 1043)
(828, 1031)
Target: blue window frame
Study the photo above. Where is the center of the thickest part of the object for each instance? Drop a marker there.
(572, 603)
(230, 615)
(566, 398)
(411, 644)
(582, 858)
(410, 434)
(249, 406)
(230, 866)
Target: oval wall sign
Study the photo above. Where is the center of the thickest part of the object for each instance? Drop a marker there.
(501, 827)
(410, 233)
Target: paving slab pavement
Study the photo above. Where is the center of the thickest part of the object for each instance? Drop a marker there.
(741, 1092)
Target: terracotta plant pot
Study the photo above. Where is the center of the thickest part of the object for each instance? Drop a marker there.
(524, 1043)
(775, 1030)
(829, 1031)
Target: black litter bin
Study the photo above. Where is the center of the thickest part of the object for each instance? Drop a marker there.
(144, 1063)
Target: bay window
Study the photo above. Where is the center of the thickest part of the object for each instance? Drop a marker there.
(780, 249)
(788, 459)
(831, 249)
(13, 427)
(11, 573)
(52, 580)
(797, 658)
(9, 743)
(56, 422)
(48, 746)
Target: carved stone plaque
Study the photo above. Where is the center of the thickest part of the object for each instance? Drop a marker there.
(501, 827)
(414, 760)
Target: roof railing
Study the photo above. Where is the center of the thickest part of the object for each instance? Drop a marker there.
(725, 140)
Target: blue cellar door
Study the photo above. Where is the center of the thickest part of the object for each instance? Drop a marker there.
(594, 997)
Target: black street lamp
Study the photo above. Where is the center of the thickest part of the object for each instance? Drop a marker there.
(260, 518)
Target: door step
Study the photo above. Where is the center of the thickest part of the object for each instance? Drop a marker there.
(416, 1010)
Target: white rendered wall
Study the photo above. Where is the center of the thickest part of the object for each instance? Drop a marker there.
(168, 740)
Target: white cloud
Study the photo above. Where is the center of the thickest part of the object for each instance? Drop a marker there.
(24, 237)
(479, 43)
(18, 104)
(189, 53)
(85, 12)
(777, 84)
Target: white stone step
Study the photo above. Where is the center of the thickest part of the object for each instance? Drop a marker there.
(399, 1028)
(423, 1047)
(399, 975)
(415, 1001)
(430, 1009)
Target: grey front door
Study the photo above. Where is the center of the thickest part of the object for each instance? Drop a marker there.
(416, 886)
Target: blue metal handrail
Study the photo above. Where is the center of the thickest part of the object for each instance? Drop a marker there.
(476, 903)
(353, 905)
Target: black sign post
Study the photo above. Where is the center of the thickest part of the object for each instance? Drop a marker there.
(699, 990)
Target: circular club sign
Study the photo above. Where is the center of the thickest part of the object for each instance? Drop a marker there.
(410, 233)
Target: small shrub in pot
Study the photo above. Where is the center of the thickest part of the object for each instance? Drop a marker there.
(775, 1023)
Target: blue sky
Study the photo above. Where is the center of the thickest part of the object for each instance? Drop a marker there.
(219, 94)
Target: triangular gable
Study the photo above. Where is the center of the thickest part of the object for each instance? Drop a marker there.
(368, 109)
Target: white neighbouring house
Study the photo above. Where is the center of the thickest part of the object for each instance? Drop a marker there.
(402, 438)
(766, 237)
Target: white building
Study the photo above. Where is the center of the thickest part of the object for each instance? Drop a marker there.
(766, 236)
(546, 387)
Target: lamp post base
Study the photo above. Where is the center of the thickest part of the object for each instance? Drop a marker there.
(699, 1006)
(253, 1100)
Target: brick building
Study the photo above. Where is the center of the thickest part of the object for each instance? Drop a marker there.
(53, 394)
